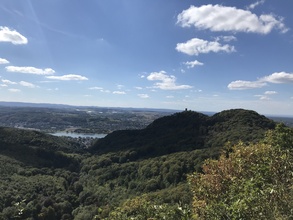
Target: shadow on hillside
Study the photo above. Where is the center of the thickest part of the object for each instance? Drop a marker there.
(37, 157)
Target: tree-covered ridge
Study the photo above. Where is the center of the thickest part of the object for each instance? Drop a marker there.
(188, 130)
(38, 182)
(33, 138)
(237, 124)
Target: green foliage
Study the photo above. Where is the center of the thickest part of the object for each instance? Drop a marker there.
(140, 174)
(186, 131)
(31, 192)
(140, 208)
(253, 182)
(282, 136)
(22, 137)
(237, 125)
(99, 187)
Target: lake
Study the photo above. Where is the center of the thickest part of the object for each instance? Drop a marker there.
(77, 135)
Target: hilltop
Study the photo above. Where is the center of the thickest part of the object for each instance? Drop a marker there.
(186, 131)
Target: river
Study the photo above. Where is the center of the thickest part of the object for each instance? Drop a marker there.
(77, 135)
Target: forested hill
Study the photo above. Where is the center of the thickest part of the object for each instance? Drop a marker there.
(32, 138)
(188, 130)
(34, 148)
(135, 174)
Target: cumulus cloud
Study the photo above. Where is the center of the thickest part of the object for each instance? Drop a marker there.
(270, 92)
(12, 36)
(197, 46)
(3, 61)
(29, 70)
(223, 18)
(279, 77)
(27, 84)
(100, 89)
(263, 97)
(192, 64)
(69, 77)
(143, 96)
(6, 81)
(242, 85)
(167, 82)
(119, 92)
(266, 95)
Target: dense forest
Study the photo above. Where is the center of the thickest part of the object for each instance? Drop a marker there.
(235, 164)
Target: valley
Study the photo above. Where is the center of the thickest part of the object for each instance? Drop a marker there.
(142, 168)
(87, 120)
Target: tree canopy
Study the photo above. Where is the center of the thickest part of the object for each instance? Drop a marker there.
(252, 182)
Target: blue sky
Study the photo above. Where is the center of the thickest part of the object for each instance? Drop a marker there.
(201, 55)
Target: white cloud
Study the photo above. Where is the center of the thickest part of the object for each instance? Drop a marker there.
(30, 70)
(168, 82)
(119, 92)
(14, 90)
(191, 64)
(143, 96)
(68, 77)
(3, 61)
(270, 92)
(138, 88)
(223, 18)
(6, 81)
(280, 77)
(56, 89)
(266, 95)
(3, 85)
(169, 97)
(96, 88)
(197, 46)
(263, 97)
(253, 5)
(242, 85)
(100, 89)
(226, 38)
(12, 36)
(119, 86)
(27, 84)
